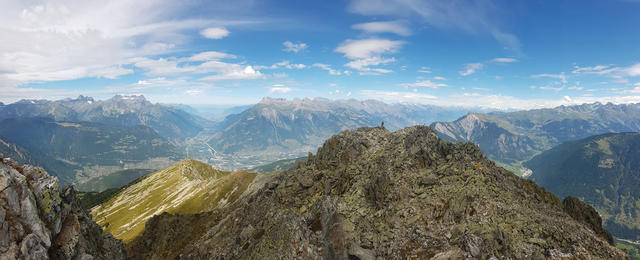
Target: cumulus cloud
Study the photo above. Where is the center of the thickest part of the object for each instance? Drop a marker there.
(369, 52)
(367, 48)
(425, 83)
(396, 27)
(215, 33)
(471, 68)
(294, 47)
(234, 72)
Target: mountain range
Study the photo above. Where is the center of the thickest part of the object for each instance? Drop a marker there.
(370, 194)
(511, 138)
(169, 121)
(79, 151)
(276, 129)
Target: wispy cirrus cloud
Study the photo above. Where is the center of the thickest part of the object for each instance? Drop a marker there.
(424, 83)
(562, 77)
(471, 68)
(469, 16)
(73, 39)
(396, 27)
(279, 88)
(211, 67)
(504, 60)
(327, 68)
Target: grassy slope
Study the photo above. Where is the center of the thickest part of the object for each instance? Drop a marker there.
(188, 186)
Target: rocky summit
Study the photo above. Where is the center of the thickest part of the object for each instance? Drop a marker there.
(375, 194)
(40, 221)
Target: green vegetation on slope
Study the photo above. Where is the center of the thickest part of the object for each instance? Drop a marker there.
(188, 186)
(603, 171)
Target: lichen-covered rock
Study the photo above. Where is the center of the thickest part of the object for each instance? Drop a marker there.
(40, 221)
(373, 194)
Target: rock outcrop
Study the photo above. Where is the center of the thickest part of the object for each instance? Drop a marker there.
(373, 194)
(38, 220)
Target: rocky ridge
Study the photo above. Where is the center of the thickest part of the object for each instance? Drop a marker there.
(373, 194)
(38, 220)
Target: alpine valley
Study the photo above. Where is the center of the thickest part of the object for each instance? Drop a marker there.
(302, 178)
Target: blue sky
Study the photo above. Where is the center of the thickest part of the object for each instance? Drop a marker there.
(496, 54)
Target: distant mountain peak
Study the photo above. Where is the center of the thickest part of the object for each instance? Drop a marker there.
(132, 98)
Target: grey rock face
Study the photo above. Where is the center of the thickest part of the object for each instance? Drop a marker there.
(39, 221)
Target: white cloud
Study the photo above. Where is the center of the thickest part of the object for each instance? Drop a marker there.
(369, 52)
(598, 69)
(71, 39)
(233, 72)
(504, 60)
(439, 78)
(394, 96)
(294, 47)
(283, 64)
(425, 70)
(397, 27)
(363, 65)
(471, 68)
(633, 70)
(567, 99)
(327, 68)
(575, 88)
(560, 76)
(215, 33)
(210, 66)
(209, 55)
(551, 88)
(367, 48)
(425, 83)
(468, 16)
(491, 101)
(279, 88)
(193, 92)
